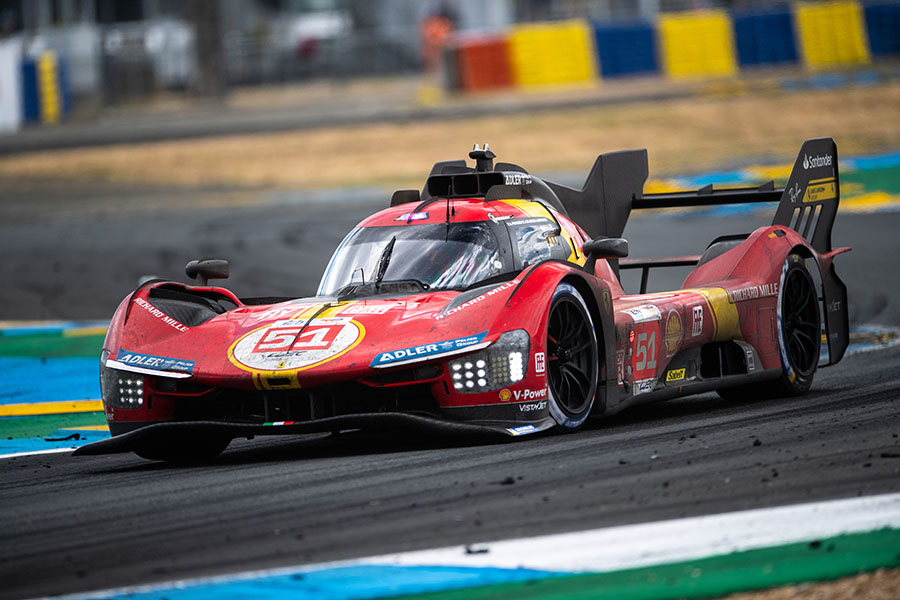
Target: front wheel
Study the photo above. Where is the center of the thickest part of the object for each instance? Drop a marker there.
(571, 358)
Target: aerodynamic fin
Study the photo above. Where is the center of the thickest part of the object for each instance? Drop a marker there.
(603, 205)
(809, 205)
(809, 202)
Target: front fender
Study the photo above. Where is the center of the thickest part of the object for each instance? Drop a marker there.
(540, 281)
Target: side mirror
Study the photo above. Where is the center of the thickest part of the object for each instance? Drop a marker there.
(606, 248)
(205, 269)
(603, 247)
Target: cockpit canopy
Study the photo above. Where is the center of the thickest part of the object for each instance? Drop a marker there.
(441, 256)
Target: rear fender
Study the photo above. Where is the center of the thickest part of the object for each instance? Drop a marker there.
(834, 301)
(760, 259)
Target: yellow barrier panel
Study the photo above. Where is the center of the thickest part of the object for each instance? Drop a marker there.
(48, 83)
(697, 44)
(831, 33)
(545, 54)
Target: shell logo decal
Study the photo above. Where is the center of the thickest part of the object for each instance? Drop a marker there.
(295, 345)
(674, 332)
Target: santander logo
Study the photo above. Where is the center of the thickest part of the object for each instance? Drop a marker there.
(816, 161)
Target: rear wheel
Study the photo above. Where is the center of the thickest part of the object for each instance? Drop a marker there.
(799, 328)
(571, 358)
(799, 337)
(183, 449)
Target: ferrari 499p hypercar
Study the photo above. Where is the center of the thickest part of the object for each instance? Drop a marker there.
(488, 302)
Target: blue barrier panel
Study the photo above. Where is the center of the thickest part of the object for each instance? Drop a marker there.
(883, 24)
(65, 90)
(626, 48)
(31, 106)
(764, 38)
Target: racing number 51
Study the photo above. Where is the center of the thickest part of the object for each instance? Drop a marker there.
(314, 337)
(646, 351)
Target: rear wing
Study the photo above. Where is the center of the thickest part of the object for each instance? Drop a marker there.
(808, 204)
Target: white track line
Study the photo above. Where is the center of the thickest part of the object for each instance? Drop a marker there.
(615, 548)
(644, 544)
(35, 452)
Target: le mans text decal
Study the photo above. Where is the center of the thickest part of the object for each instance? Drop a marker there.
(292, 344)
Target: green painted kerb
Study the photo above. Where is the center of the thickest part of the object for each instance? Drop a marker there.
(47, 345)
(12, 428)
(821, 560)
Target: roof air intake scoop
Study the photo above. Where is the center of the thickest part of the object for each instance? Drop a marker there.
(484, 159)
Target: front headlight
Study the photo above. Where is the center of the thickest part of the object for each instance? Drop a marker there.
(502, 363)
(121, 389)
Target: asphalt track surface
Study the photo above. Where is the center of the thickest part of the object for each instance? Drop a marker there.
(76, 524)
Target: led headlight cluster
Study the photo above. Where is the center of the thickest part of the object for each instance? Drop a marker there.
(121, 389)
(131, 390)
(497, 366)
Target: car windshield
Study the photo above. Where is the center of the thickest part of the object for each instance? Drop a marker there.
(438, 256)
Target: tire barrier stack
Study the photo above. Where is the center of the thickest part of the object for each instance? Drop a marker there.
(819, 36)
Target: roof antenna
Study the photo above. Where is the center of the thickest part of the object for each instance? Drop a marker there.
(484, 159)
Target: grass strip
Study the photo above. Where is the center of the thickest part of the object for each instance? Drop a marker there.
(819, 560)
(885, 179)
(50, 345)
(13, 428)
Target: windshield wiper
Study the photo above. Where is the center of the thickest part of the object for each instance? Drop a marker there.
(365, 290)
(384, 260)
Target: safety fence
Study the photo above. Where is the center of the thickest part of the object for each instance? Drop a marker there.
(684, 45)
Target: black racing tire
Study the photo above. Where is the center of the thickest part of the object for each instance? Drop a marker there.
(572, 358)
(799, 328)
(799, 337)
(183, 449)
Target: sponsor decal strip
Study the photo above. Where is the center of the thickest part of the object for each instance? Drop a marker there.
(477, 299)
(426, 351)
(675, 375)
(160, 315)
(723, 312)
(153, 363)
(709, 556)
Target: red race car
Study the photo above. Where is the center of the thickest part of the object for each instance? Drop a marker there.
(483, 305)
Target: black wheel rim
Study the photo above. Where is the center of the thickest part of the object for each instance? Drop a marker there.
(800, 322)
(571, 356)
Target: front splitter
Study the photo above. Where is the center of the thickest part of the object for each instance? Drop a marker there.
(132, 440)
